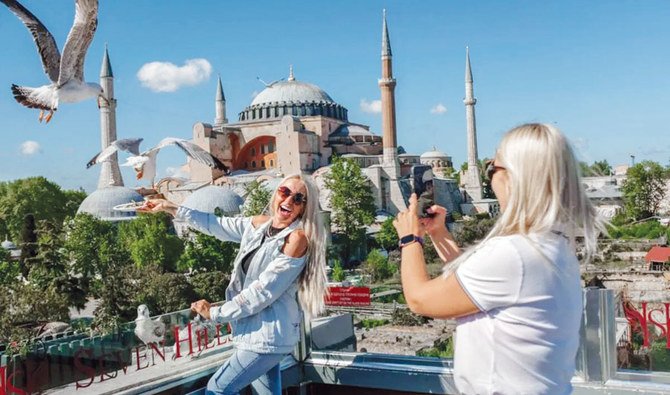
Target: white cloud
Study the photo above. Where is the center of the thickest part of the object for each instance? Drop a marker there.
(168, 77)
(439, 108)
(30, 147)
(372, 107)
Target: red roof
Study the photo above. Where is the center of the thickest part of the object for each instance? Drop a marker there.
(658, 254)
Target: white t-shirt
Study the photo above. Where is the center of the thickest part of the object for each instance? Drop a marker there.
(525, 339)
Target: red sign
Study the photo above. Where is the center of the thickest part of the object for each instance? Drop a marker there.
(348, 296)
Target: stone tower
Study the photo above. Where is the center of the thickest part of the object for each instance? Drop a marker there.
(387, 86)
(472, 184)
(220, 119)
(110, 175)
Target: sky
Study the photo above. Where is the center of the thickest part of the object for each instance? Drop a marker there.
(596, 69)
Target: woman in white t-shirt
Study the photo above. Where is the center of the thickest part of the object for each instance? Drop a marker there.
(517, 295)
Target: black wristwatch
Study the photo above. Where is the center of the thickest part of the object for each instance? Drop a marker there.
(409, 239)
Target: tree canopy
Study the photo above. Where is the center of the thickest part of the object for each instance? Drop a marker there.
(256, 198)
(38, 196)
(351, 202)
(644, 189)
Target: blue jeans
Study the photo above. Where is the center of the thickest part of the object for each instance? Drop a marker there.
(244, 368)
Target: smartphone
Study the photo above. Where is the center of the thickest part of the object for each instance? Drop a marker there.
(422, 183)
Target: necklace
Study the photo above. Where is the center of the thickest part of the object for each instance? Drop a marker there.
(272, 231)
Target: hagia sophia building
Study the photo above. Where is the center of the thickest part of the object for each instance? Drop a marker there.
(290, 127)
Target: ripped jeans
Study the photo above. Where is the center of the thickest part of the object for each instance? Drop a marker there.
(262, 371)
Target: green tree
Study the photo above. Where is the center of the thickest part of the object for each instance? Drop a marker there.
(38, 196)
(338, 272)
(166, 292)
(256, 198)
(151, 241)
(601, 168)
(206, 253)
(9, 270)
(28, 244)
(351, 202)
(88, 241)
(644, 189)
(585, 169)
(387, 236)
(450, 172)
(210, 285)
(377, 266)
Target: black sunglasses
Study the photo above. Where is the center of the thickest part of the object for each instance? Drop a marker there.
(298, 197)
(491, 169)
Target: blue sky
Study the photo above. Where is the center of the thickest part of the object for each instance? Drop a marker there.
(598, 69)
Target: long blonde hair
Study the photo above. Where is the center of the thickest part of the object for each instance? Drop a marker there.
(544, 189)
(312, 282)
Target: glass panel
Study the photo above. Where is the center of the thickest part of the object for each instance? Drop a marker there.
(76, 359)
(642, 325)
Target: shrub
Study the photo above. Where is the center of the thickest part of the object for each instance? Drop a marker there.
(166, 292)
(210, 285)
(405, 317)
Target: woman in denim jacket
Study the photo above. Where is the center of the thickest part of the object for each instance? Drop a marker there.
(279, 271)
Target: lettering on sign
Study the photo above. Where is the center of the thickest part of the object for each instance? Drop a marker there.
(639, 321)
(87, 366)
(348, 296)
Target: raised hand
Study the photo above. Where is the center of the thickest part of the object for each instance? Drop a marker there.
(158, 205)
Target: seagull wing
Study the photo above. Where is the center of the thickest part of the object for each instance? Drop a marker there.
(78, 40)
(194, 151)
(129, 145)
(46, 45)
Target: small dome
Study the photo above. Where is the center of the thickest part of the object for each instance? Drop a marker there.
(101, 203)
(350, 130)
(291, 91)
(434, 154)
(211, 197)
(8, 245)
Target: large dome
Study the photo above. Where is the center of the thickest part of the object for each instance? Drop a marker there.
(211, 197)
(292, 97)
(101, 203)
(291, 91)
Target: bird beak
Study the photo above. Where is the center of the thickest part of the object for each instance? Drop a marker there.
(139, 175)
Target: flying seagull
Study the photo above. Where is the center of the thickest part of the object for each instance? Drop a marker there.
(146, 329)
(65, 71)
(145, 163)
(129, 145)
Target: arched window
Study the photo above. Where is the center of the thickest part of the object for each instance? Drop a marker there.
(253, 164)
(253, 152)
(272, 163)
(262, 163)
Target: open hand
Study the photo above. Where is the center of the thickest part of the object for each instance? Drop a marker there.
(157, 205)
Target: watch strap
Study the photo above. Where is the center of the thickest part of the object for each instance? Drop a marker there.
(409, 239)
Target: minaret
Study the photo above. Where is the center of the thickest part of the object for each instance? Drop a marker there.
(387, 85)
(220, 106)
(110, 175)
(473, 184)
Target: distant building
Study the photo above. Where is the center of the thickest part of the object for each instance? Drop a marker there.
(658, 258)
(293, 126)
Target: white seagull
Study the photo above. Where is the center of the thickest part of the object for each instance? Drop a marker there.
(65, 71)
(145, 163)
(131, 145)
(146, 329)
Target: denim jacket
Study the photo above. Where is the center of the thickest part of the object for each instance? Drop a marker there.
(261, 307)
